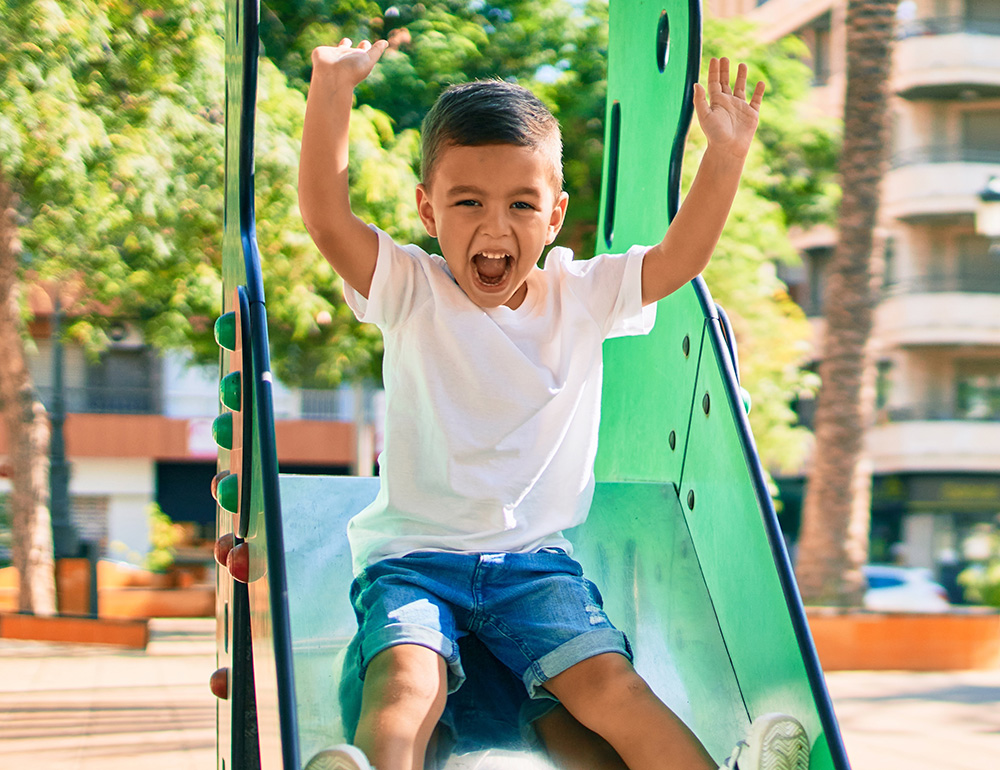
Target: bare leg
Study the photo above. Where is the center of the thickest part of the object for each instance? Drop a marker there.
(403, 698)
(571, 746)
(607, 696)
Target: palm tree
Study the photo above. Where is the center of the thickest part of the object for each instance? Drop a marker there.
(833, 544)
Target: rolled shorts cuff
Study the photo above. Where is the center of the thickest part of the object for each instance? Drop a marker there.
(409, 633)
(568, 654)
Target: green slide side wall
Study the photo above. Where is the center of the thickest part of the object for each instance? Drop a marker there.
(671, 409)
(257, 725)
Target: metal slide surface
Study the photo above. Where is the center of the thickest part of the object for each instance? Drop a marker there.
(682, 537)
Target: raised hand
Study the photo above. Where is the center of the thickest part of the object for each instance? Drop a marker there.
(349, 64)
(727, 119)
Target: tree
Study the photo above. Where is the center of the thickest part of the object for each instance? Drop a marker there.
(27, 433)
(111, 155)
(833, 545)
(40, 161)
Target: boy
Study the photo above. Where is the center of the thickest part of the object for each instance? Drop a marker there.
(492, 377)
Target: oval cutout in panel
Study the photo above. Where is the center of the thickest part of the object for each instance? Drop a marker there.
(614, 137)
(662, 41)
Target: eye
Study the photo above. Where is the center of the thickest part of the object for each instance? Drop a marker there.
(523, 205)
(467, 202)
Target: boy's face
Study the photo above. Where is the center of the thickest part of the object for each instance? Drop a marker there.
(493, 208)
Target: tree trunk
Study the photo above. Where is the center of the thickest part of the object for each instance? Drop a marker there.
(27, 433)
(833, 544)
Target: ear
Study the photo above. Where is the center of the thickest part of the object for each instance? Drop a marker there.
(557, 217)
(426, 210)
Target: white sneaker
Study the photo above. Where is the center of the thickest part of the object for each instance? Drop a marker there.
(342, 757)
(775, 742)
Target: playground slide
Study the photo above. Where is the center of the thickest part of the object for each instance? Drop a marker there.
(682, 536)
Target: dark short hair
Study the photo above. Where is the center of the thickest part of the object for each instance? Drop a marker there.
(489, 112)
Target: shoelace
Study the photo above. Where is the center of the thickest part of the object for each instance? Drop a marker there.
(730, 763)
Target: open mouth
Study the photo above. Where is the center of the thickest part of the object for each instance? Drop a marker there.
(492, 267)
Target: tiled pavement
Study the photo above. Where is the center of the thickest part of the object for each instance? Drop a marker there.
(66, 707)
(76, 707)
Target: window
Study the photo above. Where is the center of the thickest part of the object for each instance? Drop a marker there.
(980, 142)
(883, 383)
(978, 390)
(89, 514)
(983, 15)
(821, 51)
(816, 36)
(124, 381)
(978, 269)
(889, 272)
(817, 263)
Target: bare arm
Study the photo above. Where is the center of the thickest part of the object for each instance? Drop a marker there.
(324, 199)
(729, 123)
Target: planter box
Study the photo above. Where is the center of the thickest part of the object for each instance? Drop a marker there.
(856, 640)
(133, 634)
(123, 592)
(136, 602)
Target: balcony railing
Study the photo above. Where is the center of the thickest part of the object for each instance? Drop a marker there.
(947, 25)
(106, 400)
(939, 413)
(972, 283)
(945, 154)
(322, 405)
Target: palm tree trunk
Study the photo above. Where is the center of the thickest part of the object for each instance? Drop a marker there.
(833, 544)
(27, 433)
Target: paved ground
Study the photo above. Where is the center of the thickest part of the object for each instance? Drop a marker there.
(68, 707)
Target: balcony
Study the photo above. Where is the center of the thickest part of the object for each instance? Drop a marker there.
(947, 58)
(106, 400)
(940, 310)
(923, 439)
(926, 183)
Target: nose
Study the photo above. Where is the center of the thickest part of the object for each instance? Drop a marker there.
(496, 221)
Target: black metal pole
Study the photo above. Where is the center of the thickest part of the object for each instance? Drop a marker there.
(64, 537)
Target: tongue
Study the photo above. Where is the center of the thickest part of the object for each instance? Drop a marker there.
(490, 268)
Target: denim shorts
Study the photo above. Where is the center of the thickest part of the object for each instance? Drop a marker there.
(512, 621)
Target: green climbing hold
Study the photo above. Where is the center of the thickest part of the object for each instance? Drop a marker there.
(225, 330)
(746, 399)
(229, 493)
(222, 430)
(231, 391)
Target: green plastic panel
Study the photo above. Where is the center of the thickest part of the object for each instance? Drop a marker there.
(724, 515)
(643, 425)
(636, 547)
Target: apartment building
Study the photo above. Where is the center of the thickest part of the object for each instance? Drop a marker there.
(138, 430)
(935, 445)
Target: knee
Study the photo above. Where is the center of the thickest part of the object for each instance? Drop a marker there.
(599, 688)
(405, 677)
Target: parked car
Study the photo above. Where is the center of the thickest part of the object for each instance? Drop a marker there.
(903, 589)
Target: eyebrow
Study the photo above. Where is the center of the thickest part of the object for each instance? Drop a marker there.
(465, 189)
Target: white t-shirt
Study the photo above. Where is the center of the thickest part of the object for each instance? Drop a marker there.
(491, 414)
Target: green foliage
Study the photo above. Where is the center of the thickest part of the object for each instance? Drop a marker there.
(799, 150)
(981, 580)
(111, 134)
(164, 536)
(112, 140)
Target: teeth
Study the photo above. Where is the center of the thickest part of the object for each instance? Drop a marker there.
(493, 254)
